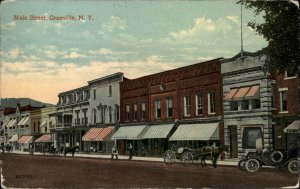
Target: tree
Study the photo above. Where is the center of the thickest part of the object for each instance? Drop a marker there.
(281, 30)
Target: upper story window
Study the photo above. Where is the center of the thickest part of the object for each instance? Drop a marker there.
(245, 105)
(127, 112)
(157, 109)
(273, 97)
(143, 108)
(94, 94)
(199, 104)
(134, 111)
(283, 100)
(117, 112)
(255, 103)
(169, 107)
(211, 102)
(110, 114)
(234, 105)
(289, 75)
(110, 90)
(95, 116)
(187, 105)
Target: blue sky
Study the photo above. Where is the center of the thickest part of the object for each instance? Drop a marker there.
(40, 58)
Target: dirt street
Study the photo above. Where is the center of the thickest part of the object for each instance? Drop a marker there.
(66, 172)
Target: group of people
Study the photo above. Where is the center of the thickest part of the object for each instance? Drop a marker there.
(114, 151)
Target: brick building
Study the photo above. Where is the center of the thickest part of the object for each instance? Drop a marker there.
(287, 110)
(181, 103)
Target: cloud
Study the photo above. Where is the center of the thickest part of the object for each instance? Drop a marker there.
(9, 25)
(234, 19)
(73, 55)
(114, 23)
(200, 25)
(14, 53)
(52, 52)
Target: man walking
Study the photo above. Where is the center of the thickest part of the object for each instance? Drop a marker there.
(114, 152)
(130, 151)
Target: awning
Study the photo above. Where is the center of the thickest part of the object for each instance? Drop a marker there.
(26, 121)
(22, 120)
(44, 138)
(158, 131)
(231, 93)
(92, 134)
(14, 138)
(104, 135)
(12, 123)
(44, 124)
(198, 131)
(130, 132)
(25, 139)
(293, 127)
(241, 92)
(253, 92)
(5, 124)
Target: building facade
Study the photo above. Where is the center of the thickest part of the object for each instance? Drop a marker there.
(79, 110)
(178, 103)
(248, 103)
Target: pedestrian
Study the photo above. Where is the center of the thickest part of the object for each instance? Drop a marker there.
(61, 148)
(130, 148)
(114, 152)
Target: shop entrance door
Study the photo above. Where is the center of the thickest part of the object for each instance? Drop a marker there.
(233, 141)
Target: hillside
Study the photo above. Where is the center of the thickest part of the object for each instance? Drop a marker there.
(12, 102)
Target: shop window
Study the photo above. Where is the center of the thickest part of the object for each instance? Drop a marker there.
(169, 104)
(250, 135)
(157, 109)
(199, 104)
(187, 106)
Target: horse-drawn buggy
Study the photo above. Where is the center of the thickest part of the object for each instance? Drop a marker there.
(188, 156)
(269, 157)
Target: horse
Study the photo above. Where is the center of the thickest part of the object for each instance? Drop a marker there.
(52, 150)
(213, 152)
(7, 148)
(71, 150)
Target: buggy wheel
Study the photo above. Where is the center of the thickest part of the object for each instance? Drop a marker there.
(242, 165)
(169, 157)
(187, 158)
(252, 165)
(293, 166)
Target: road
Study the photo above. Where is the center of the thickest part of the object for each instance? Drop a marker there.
(20, 171)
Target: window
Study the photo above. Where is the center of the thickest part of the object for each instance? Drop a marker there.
(94, 94)
(234, 106)
(250, 135)
(273, 98)
(95, 118)
(245, 105)
(199, 104)
(169, 104)
(255, 103)
(143, 108)
(134, 111)
(289, 75)
(211, 102)
(283, 101)
(127, 111)
(157, 109)
(187, 106)
(110, 114)
(117, 112)
(46, 129)
(109, 90)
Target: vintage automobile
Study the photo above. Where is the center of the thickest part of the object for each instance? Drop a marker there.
(269, 157)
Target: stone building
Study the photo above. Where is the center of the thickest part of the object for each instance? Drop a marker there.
(248, 103)
(187, 99)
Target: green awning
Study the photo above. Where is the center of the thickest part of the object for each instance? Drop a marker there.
(158, 131)
(130, 132)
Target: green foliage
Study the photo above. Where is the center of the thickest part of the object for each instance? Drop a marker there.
(281, 30)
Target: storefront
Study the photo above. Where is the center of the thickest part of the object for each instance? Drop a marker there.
(24, 142)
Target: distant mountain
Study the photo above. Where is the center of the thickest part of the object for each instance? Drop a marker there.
(12, 102)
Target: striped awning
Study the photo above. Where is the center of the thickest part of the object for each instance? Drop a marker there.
(158, 131)
(92, 134)
(293, 128)
(130, 132)
(12, 123)
(5, 124)
(25, 139)
(44, 138)
(22, 120)
(14, 138)
(231, 93)
(198, 131)
(44, 124)
(241, 92)
(26, 121)
(253, 92)
(98, 134)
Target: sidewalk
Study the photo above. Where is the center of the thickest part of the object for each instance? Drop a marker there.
(227, 162)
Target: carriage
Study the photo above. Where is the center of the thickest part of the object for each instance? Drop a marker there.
(188, 156)
(269, 157)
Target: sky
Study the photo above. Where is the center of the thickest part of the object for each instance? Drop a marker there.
(41, 58)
